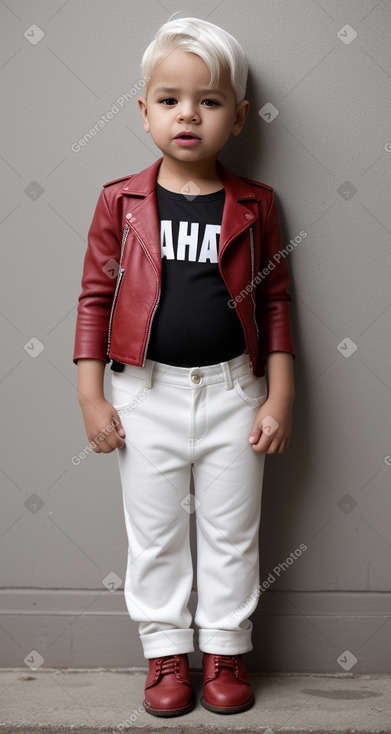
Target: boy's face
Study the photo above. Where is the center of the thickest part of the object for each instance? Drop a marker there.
(178, 101)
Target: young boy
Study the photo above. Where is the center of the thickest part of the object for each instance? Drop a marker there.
(185, 289)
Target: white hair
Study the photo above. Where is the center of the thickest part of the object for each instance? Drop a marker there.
(215, 46)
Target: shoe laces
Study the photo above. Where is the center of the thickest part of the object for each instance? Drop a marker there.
(225, 661)
(168, 664)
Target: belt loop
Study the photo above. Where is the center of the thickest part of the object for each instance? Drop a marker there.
(227, 375)
(149, 365)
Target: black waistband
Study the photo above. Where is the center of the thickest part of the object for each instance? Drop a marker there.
(117, 366)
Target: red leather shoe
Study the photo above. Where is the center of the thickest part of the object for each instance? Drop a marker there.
(168, 689)
(227, 685)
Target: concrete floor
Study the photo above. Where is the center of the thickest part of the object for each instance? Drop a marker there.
(95, 701)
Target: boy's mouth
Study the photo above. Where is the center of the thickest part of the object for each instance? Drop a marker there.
(187, 139)
(186, 136)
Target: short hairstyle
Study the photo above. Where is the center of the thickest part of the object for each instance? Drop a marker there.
(215, 46)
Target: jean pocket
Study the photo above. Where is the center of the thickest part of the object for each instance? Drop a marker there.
(252, 390)
(125, 389)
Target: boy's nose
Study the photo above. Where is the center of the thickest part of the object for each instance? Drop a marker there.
(189, 114)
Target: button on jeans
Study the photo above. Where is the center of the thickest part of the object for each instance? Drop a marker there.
(181, 422)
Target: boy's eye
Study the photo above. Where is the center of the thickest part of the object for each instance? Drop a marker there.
(170, 101)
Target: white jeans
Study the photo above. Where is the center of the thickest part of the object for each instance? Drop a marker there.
(180, 421)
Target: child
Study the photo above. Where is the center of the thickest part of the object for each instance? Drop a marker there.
(184, 288)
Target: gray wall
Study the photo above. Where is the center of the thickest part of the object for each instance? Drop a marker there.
(328, 155)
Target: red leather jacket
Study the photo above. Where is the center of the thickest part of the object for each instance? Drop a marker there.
(122, 270)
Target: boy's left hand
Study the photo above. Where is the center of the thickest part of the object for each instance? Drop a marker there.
(271, 431)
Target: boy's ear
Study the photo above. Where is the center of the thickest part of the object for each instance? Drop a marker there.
(242, 111)
(142, 103)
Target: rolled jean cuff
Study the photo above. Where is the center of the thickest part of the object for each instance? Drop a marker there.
(225, 642)
(167, 642)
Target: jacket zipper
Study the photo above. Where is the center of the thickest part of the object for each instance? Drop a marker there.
(120, 276)
(119, 280)
(124, 238)
(252, 278)
(158, 298)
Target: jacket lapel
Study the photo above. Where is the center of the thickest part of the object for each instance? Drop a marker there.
(143, 208)
(240, 208)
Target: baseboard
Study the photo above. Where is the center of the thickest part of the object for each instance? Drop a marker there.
(305, 632)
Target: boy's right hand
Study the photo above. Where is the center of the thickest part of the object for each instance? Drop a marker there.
(103, 425)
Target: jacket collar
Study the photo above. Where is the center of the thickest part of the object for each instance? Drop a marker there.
(143, 183)
(237, 216)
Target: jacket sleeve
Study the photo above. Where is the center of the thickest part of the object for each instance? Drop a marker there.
(272, 296)
(98, 284)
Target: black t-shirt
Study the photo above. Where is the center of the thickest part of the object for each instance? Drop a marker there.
(193, 324)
